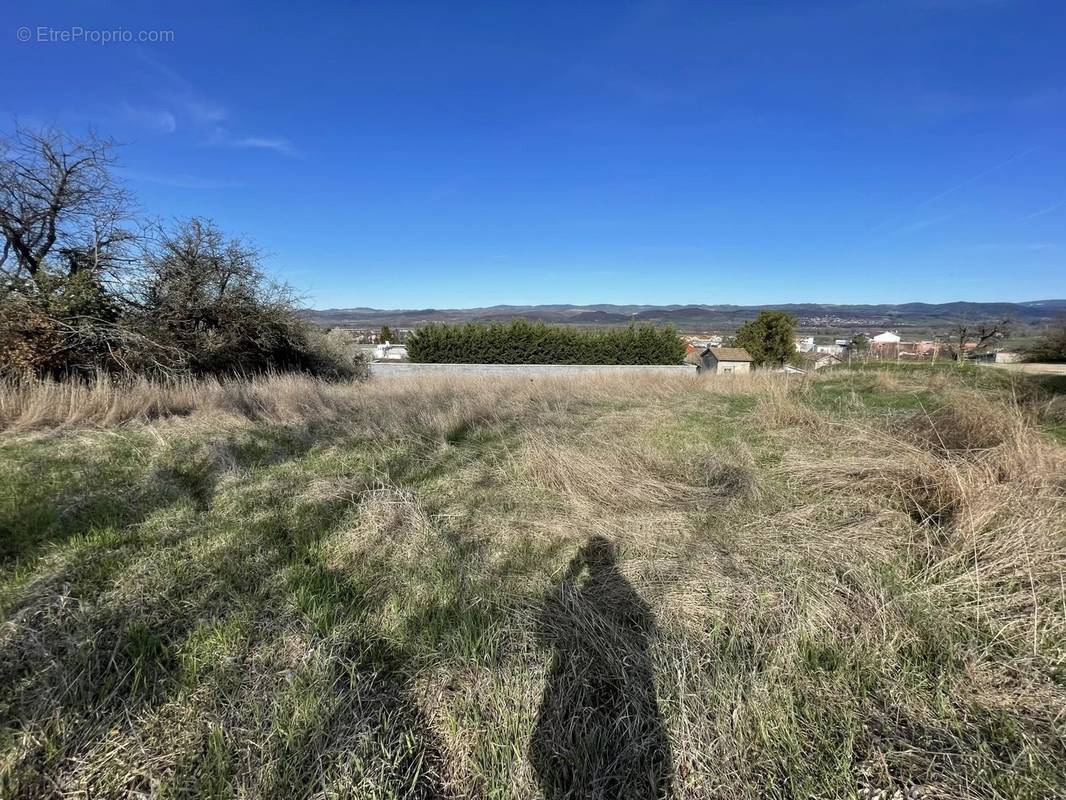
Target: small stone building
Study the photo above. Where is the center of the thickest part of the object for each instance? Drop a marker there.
(819, 360)
(721, 360)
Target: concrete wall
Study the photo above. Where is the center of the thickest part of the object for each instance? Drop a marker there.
(717, 367)
(384, 369)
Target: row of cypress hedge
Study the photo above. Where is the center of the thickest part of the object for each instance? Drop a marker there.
(523, 342)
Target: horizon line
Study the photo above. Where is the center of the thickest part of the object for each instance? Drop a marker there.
(692, 305)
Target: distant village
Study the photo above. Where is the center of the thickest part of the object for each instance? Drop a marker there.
(711, 352)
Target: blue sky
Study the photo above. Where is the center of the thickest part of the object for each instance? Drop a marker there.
(397, 154)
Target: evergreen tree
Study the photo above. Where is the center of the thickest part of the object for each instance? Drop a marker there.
(770, 338)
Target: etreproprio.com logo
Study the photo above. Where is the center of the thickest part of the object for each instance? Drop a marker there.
(76, 34)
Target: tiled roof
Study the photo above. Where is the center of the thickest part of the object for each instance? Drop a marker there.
(813, 356)
(729, 353)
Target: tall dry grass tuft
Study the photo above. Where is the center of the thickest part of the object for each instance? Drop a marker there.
(758, 383)
(989, 491)
(288, 397)
(592, 474)
(783, 407)
(779, 395)
(609, 477)
(107, 401)
(392, 524)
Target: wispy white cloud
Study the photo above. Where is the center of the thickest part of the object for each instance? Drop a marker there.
(181, 94)
(223, 137)
(1042, 212)
(207, 115)
(922, 224)
(974, 178)
(157, 120)
(279, 144)
(160, 67)
(946, 192)
(200, 110)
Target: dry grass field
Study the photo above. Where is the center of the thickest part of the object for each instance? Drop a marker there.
(849, 585)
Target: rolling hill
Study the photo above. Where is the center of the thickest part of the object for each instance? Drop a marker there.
(809, 315)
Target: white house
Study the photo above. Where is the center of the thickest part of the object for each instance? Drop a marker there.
(805, 344)
(886, 338)
(390, 352)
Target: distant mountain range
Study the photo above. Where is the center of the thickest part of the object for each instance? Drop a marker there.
(809, 315)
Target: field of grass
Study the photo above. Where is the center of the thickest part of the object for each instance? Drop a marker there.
(849, 585)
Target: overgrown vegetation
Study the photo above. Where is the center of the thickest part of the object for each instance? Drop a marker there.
(522, 342)
(742, 587)
(86, 287)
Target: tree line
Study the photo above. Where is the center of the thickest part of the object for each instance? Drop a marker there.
(86, 286)
(523, 342)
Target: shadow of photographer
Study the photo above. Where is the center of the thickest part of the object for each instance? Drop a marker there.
(600, 733)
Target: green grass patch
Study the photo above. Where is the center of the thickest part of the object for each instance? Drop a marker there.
(397, 603)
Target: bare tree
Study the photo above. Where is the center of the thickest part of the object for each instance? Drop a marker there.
(980, 335)
(80, 292)
(61, 207)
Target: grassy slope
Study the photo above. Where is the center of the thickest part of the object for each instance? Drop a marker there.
(738, 588)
